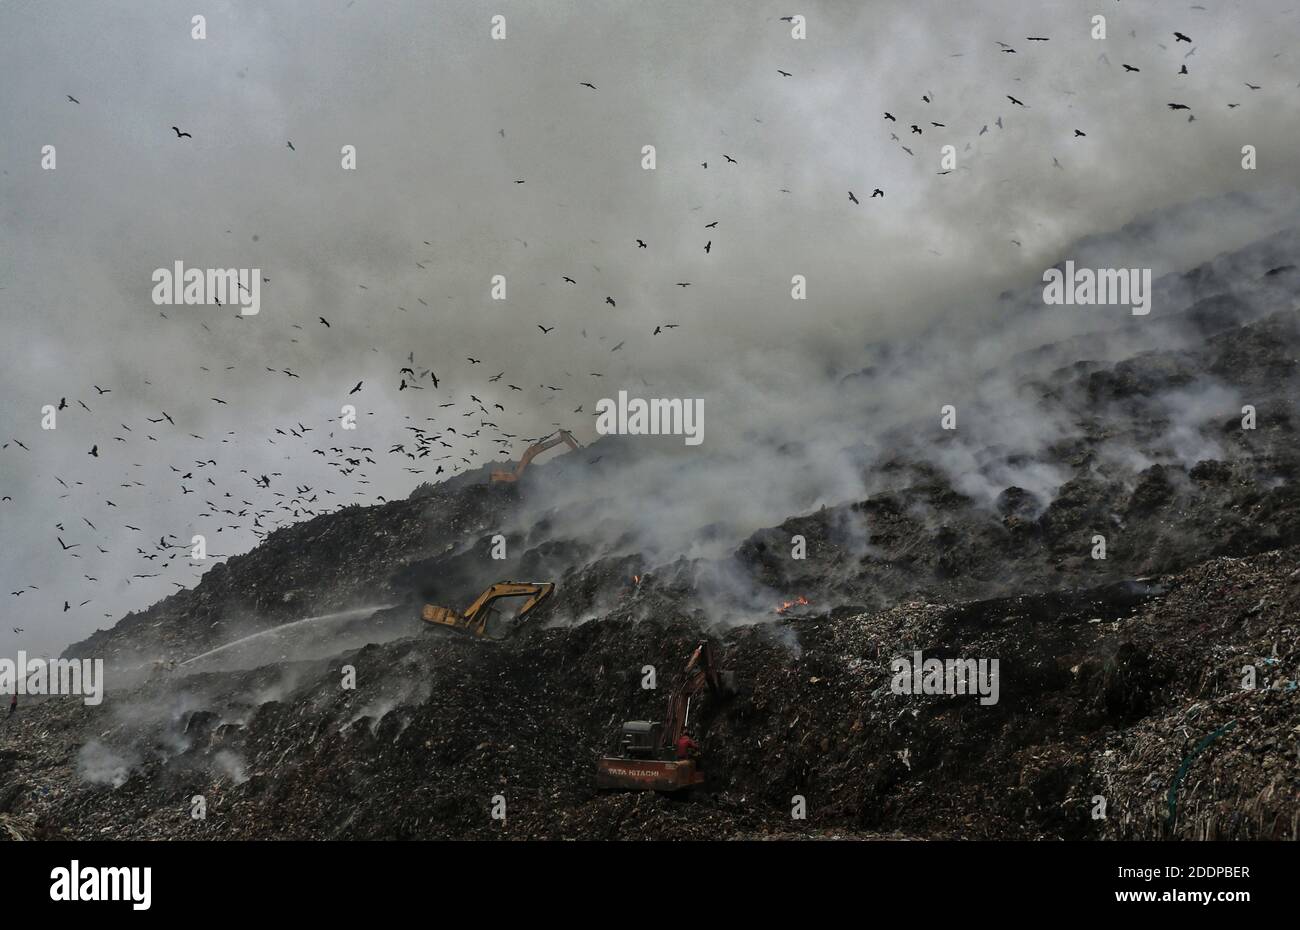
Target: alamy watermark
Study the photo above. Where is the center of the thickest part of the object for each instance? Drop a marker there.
(1129, 287)
(658, 416)
(84, 677)
(103, 883)
(919, 675)
(178, 285)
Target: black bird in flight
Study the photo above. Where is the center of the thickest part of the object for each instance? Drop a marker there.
(357, 388)
(181, 135)
(544, 329)
(640, 244)
(325, 321)
(291, 148)
(1179, 106)
(1080, 134)
(1179, 37)
(610, 301)
(474, 361)
(94, 450)
(683, 283)
(73, 99)
(730, 159)
(782, 73)
(708, 245)
(890, 116)
(916, 130)
(877, 193)
(852, 198)
(1131, 68)
(570, 280)
(1018, 103)
(711, 225)
(586, 84)
(1253, 86)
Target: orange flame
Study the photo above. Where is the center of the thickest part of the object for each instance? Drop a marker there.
(800, 601)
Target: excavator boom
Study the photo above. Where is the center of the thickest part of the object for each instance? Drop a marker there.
(477, 616)
(536, 449)
(700, 674)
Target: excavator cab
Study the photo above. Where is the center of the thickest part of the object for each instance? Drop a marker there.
(483, 619)
(641, 739)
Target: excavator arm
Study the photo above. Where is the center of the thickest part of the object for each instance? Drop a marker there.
(701, 674)
(477, 615)
(536, 449)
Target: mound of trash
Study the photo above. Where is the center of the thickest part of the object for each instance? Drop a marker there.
(1120, 712)
(1107, 651)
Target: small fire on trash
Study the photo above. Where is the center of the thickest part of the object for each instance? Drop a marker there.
(800, 601)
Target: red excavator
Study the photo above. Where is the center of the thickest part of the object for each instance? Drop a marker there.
(536, 449)
(649, 759)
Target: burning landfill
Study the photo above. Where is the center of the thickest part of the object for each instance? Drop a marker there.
(413, 525)
(358, 675)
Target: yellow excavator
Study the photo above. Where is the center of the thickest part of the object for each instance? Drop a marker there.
(477, 620)
(536, 449)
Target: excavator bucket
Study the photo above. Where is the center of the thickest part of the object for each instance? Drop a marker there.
(477, 620)
(441, 615)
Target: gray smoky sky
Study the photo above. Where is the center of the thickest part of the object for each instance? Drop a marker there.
(399, 255)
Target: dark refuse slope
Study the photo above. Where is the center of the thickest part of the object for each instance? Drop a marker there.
(1113, 672)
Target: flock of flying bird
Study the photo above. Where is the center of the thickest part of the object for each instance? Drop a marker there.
(464, 434)
(917, 129)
